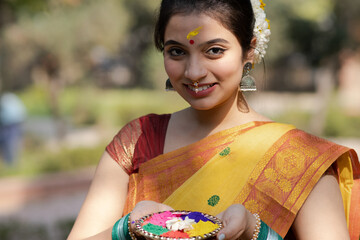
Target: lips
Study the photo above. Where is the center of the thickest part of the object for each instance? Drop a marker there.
(203, 87)
(201, 91)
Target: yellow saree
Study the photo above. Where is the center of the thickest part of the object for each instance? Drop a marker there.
(270, 168)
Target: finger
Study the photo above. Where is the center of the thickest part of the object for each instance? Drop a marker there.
(220, 215)
(220, 235)
(143, 208)
(164, 207)
(232, 230)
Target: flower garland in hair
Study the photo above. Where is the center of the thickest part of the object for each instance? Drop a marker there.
(261, 30)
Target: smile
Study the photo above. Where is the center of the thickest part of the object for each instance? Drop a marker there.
(201, 88)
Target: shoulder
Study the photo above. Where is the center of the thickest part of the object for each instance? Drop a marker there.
(130, 133)
(138, 125)
(322, 144)
(312, 146)
(141, 133)
(154, 119)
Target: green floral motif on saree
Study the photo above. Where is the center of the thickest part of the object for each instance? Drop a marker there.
(225, 152)
(213, 200)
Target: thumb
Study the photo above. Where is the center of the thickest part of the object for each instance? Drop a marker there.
(230, 231)
(221, 234)
(233, 226)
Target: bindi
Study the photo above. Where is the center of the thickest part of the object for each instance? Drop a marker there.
(193, 34)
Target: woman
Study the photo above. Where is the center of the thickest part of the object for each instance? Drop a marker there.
(219, 156)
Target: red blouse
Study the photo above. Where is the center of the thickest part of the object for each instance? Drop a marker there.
(138, 141)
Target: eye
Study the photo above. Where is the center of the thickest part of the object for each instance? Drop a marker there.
(215, 51)
(175, 52)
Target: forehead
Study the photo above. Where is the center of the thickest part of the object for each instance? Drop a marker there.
(180, 25)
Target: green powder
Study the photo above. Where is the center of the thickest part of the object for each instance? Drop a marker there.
(155, 229)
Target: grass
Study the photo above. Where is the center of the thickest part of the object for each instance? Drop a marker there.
(39, 160)
(89, 106)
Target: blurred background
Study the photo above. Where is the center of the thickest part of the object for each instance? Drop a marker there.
(73, 72)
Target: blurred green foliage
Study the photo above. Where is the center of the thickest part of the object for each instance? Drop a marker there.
(108, 108)
(63, 228)
(339, 124)
(69, 34)
(300, 119)
(72, 31)
(40, 160)
(16, 229)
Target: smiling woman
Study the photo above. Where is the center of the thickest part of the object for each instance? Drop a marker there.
(263, 180)
(207, 73)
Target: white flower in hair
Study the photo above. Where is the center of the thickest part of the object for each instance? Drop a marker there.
(261, 30)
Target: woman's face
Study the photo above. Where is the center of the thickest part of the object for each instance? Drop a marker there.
(199, 51)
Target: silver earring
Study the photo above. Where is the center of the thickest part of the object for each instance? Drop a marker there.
(168, 85)
(247, 81)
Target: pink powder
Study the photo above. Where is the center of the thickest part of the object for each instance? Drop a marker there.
(161, 218)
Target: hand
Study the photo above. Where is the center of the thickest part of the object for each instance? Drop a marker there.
(239, 223)
(147, 207)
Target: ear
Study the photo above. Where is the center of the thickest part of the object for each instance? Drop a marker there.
(249, 55)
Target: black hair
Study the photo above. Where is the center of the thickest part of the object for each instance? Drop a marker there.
(235, 15)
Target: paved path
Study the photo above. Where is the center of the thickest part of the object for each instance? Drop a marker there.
(44, 199)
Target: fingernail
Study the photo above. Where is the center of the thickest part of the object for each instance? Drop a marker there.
(222, 236)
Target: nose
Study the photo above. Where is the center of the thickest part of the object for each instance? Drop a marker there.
(195, 71)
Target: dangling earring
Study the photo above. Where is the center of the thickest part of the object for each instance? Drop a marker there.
(247, 82)
(168, 85)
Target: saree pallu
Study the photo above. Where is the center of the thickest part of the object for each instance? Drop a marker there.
(270, 168)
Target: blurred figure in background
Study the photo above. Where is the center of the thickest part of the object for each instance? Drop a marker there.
(12, 115)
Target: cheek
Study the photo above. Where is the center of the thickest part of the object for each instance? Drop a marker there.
(173, 68)
(229, 68)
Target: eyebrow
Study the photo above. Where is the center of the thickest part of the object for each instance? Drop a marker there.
(172, 42)
(216, 40)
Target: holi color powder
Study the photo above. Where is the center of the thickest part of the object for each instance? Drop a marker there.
(155, 229)
(193, 34)
(179, 225)
(175, 234)
(202, 228)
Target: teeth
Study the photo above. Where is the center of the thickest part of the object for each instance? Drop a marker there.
(199, 89)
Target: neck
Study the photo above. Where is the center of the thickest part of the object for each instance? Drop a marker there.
(226, 115)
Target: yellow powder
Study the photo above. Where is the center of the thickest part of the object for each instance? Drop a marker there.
(202, 228)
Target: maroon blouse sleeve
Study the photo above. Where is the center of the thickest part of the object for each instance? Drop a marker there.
(138, 141)
(121, 148)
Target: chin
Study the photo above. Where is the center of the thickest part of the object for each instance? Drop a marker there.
(202, 107)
